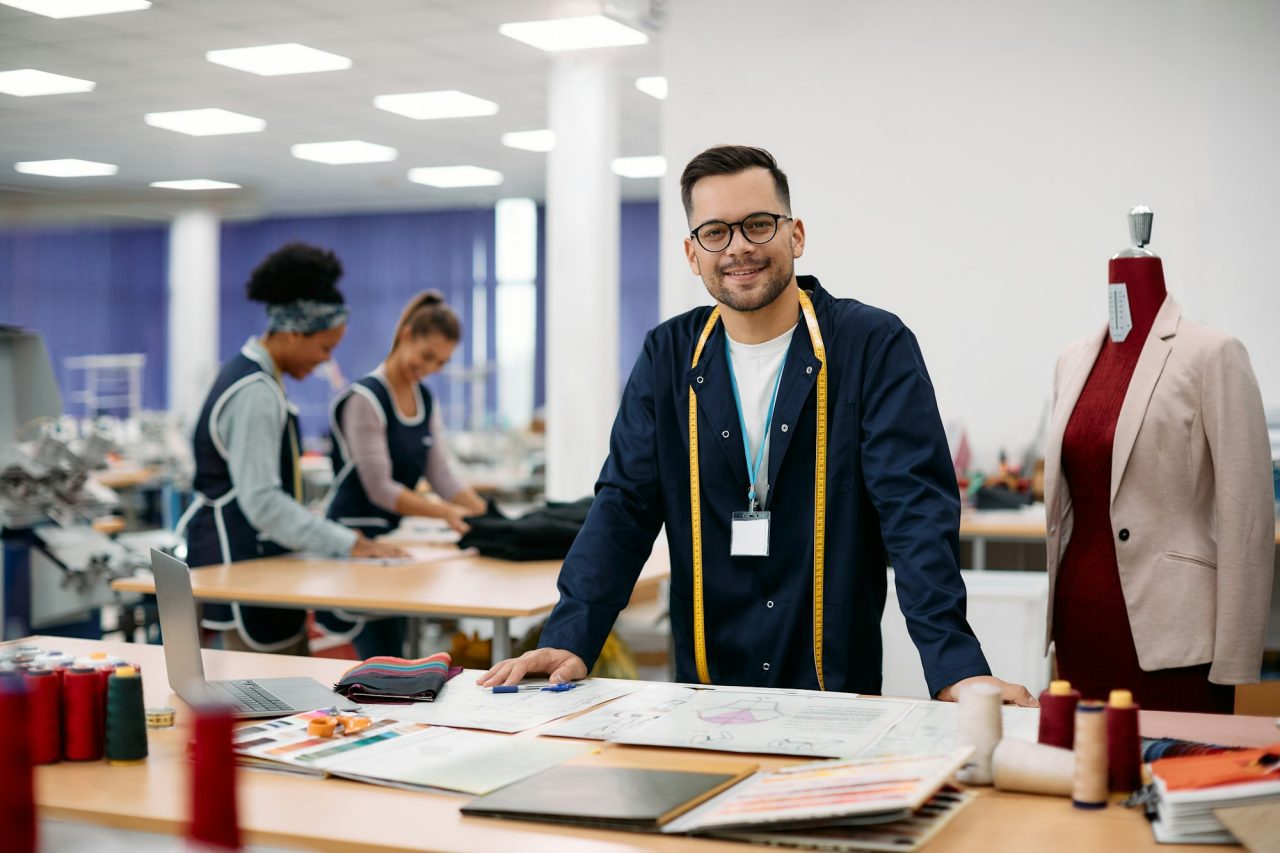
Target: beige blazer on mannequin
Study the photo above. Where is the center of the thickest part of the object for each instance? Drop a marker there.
(1192, 502)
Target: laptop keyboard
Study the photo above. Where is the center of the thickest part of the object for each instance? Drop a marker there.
(248, 696)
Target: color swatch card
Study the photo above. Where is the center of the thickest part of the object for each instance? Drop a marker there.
(404, 754)
(822, 793)
(906, 835)
(466, 705)
(930, 728)
(819, 725)
(626, 714)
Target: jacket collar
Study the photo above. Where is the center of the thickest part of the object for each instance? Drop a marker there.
(1151, 361)
(710, 380)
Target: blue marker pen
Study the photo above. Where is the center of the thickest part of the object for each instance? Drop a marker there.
(547, 688)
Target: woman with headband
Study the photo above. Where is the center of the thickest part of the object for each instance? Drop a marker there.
(248, 483)
(387, 435)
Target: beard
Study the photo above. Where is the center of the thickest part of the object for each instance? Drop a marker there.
(777, 277)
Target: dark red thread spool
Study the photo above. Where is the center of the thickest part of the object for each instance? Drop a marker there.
(45, 715)
(1124, 747)
(214, 817)
(1058, 715)
(83, 711)
(17, 782)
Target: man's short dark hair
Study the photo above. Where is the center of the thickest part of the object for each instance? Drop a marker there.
(730, 160)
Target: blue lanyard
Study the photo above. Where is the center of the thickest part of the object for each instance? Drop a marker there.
(752, 469)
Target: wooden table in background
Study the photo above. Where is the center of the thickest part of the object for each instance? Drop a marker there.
(449, 584)
(335, 814)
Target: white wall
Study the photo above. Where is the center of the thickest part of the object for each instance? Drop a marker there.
(969, 166)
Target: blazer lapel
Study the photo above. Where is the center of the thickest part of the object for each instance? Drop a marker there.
(1155, 352)
(710, 380)
(1074, 375)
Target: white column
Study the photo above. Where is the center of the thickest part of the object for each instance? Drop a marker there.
(193, 311)
(582, 273)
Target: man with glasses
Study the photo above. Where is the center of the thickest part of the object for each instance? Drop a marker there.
(791, 444)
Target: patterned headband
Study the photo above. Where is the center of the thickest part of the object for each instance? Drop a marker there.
(306, 316)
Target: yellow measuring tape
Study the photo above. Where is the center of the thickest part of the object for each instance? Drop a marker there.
(819, 498)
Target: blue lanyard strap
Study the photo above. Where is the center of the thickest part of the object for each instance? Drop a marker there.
(752, 468)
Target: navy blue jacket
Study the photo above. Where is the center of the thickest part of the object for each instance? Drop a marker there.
(891, 498)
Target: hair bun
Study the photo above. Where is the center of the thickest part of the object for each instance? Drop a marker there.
(296, 271)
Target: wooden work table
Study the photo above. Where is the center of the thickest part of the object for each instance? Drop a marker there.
(332, 814)
(448, 583)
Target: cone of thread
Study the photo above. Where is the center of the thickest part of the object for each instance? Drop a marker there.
(1089, 789)
(1058, 715)
(1124, 747)
(17, 775)
(126, 718)
(44, 710)
(214, 818)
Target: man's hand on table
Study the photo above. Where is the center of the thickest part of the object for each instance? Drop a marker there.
(1014, 694)
(559, 664)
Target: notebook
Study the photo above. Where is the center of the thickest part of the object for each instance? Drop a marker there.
(637, 798)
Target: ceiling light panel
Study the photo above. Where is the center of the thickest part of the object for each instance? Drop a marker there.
(449, 103)
(653, 86)
(640, 167)
(77, 8)
(205, 122)
(28, 82)
(530, 140)
(69, 168)
(272, 60)
(574, 33)
(452, 177)
(344, 152)
(195, 184)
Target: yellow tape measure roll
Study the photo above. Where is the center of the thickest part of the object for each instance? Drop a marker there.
(819, 497)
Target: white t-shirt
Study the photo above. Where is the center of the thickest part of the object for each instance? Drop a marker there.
(755, 367)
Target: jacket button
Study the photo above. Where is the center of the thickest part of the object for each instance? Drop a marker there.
(699, 380)
(808, 370)
(784, 427)
(724, 434)
(766, 667)
(1124, 534)
(769, 604)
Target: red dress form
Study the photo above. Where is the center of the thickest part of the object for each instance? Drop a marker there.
(1094, 641)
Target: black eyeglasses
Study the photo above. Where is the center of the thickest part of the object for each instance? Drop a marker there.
(758, 228)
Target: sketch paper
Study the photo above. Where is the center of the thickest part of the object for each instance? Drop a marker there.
(405, 754)
(624, 715)
(930, 728)
(822, 726)
(463, 704)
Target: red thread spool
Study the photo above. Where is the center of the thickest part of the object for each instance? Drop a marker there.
(1124, 747)
(83, 709)
(17, 784)
(213, 781)
(1058, 715)
(45, 709)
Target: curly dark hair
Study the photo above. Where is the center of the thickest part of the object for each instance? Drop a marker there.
(730, 160)
(296, 271)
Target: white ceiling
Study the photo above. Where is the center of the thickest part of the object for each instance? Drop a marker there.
(153, 60)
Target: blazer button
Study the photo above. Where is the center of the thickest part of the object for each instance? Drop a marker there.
(1124, 534)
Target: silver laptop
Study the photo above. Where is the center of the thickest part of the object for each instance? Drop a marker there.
(251, 697)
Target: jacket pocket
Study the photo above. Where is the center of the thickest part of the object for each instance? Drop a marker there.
(1173, 612)
(843, 447)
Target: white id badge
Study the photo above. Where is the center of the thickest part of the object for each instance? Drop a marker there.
(749, 534)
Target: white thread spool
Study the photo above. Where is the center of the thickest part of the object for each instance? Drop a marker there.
(1033, 768)
(980, 727)
(1089, 789)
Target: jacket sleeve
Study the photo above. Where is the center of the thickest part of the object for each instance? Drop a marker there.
(912, 484)
(1236, 427)
(601, 568)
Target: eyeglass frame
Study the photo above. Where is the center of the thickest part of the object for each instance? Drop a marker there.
(777, 220)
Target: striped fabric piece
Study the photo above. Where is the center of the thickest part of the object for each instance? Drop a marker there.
(397, 680)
